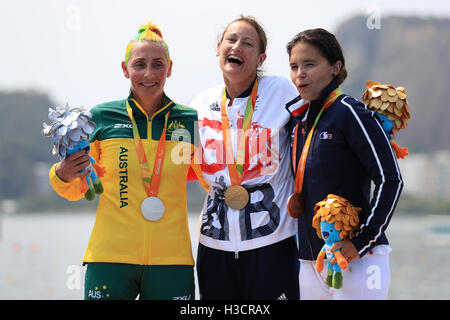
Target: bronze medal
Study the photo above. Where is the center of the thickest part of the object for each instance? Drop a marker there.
(236, 197)
(296, 202)
(295, 205)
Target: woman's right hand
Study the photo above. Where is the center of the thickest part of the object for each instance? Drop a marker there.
(69, 168)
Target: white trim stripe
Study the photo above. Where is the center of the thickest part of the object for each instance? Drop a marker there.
(382, 178)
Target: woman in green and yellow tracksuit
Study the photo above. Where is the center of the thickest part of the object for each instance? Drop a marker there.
(140, 243)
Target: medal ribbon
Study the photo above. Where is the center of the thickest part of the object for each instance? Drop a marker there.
(236, 169)
(301, 164)
(151, 181)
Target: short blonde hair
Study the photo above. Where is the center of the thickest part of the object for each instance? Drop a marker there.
(339, 211)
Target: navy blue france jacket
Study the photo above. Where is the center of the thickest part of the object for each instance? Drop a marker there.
(349, 149)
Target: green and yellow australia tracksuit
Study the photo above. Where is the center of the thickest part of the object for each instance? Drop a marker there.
(121, 234)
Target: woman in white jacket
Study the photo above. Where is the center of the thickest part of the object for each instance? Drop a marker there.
(247, 244)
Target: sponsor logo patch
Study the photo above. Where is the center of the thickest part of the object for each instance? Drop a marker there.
(325, 136)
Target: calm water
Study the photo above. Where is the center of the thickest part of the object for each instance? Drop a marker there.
(40, 255)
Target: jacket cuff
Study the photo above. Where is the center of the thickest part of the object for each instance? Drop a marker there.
(68, 190)
(361, 243)
(56, 181)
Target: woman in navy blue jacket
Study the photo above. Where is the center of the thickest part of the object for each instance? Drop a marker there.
(348, 151)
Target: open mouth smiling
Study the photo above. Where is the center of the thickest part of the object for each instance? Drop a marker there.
(235, 59)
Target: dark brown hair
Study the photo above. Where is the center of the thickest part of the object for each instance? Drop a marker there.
(327, 45)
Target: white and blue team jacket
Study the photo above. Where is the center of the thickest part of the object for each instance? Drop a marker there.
(348, 151)
(267, 175)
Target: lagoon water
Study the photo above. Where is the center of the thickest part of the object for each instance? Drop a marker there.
(41, 255)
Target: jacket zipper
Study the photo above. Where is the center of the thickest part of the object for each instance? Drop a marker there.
(304, 134)
(147, 241)
(236, 235)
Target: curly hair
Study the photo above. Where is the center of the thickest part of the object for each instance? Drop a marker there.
(340, 211)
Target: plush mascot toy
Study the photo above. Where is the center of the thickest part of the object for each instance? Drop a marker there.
(70, 130)
(335, 220)
(391, 107)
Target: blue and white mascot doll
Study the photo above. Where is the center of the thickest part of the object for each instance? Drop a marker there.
(70, 129)
(335, 219)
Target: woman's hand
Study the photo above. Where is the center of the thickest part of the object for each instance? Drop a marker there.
(348, 251)
(69, 168)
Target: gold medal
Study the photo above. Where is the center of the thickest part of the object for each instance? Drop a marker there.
(236, 197)
(295, 205)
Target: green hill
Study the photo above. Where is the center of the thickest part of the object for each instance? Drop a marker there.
(21, 116)
(407, 51)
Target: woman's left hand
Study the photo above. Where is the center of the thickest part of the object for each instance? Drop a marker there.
(348, 250)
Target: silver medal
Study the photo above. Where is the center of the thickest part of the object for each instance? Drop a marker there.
(152, 208)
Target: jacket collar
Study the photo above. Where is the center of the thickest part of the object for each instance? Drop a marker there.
(298, 107)
(138, 112)
(317, 103)
(244, 94)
